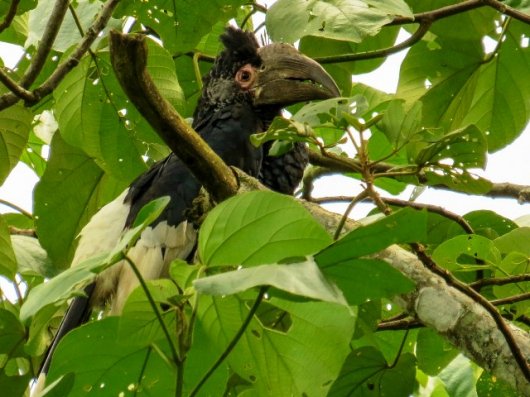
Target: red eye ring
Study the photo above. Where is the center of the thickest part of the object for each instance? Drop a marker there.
(245, 76)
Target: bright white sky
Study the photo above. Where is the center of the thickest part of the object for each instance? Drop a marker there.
(508, 165)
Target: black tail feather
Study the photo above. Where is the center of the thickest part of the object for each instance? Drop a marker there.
(77, 314)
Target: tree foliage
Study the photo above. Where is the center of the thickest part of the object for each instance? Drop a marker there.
(278, 302)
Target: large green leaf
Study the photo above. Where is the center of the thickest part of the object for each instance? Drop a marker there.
(259, 228)
(61, 288)
(366, 373)
(317, 47)
(433, 352)
(32, 260)
(516, 240)
(295, 362)
(15, 124)
(67, 284)
(472, 24)
(362, 280)
(12, 334)
(180, 24)
(404, 226)
(461, 253)
(463, 148)
(71, 190)
(304, 279)
(111, 365)
(350, 20)
(8, 262)
(458, 377)
(88, 119)
(460, 85)
(69, 34)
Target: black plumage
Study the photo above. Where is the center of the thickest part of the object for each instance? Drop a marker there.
(245, 89)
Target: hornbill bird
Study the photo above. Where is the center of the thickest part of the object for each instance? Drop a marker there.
(244, 90)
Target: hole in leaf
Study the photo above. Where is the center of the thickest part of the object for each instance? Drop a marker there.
(273, 318)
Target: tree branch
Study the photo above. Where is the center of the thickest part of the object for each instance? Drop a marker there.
(129, 60)
(453, 314)
(331, 164)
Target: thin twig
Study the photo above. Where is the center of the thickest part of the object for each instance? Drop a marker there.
(16, 208)
(501, 281)
(11, 13)
(233, 342)
(14, 87)
(406, 323)
(511, 299)
(361, 196)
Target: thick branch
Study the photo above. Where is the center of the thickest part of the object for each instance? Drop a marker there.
(129, 60)
(454, 315)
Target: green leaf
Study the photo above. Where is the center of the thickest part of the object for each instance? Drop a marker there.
(32, 260)
(138, 322)
(351, 20)
(513, 264)
(516, 240)
(71, 190)
(304, 279)
(180, 25)
(489, 386)
(461, 253)
(282, 363)
(458, 378)
(321, 47)
(463, 148)
(398, 125)
(366, 372)
(433, 352)
(92, 121)
(69, 34)
(473, 24)
(162, 70)
(62, 287)
(406, 225)
(459, 85)
(15, 124)
(456, 179)
(111, 365)
(8, 263)
(489, 224)
(12, 334)
(59, 387)
(259, 228)
(362, 280)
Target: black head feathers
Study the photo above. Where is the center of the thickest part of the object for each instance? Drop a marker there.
(240, 48)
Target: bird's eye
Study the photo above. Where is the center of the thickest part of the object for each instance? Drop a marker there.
(245, 76)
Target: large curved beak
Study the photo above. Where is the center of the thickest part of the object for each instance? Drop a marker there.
(286, 77)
